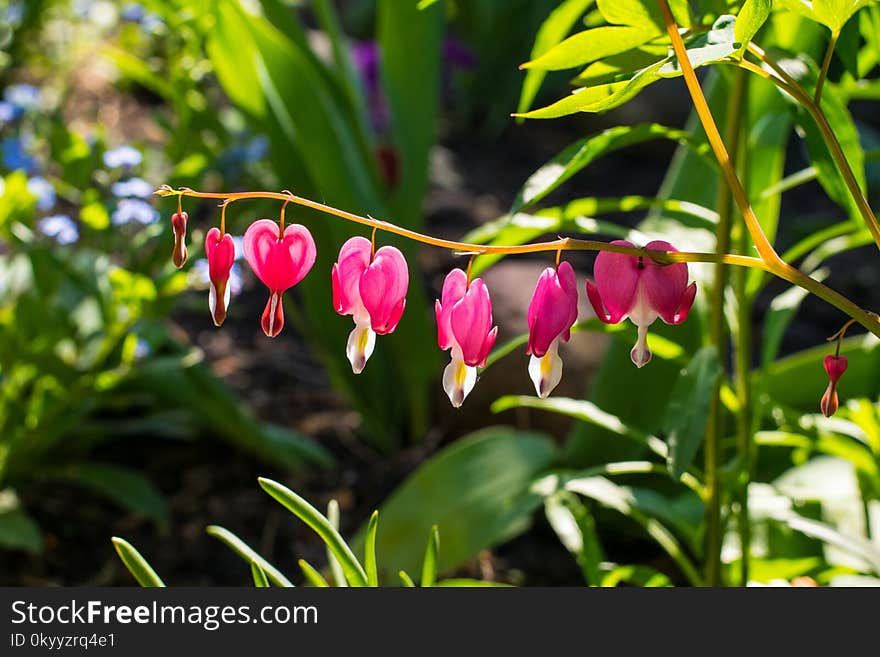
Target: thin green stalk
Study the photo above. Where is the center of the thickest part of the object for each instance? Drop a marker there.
(826, 62)
(718, 337)
(742, 383)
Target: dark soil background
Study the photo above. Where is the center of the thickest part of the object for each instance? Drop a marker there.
(475, 178)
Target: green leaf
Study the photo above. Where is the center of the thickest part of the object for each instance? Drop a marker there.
(688, 410)
(635, 575)
(406, 579)
(248, 554)
(585, 411)
(18, 531)
(141, 570)
(551, 32)
(767, 570)
(835, 13)
(623, 66)
(749, 20)
(370, 551)
(576, 529)
(715, 45)
(124, 486)
(312, 575)
(354, 573)
(621, 499)
(335, 567)
(466, 582)
(584, 152)
(643, 12)
(410, 45)
(429, 564)
(590, 46)
(260, 580)
(477, 490)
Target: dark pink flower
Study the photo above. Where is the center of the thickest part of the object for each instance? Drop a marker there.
(552, 312)
(464, 325)
(835, 366)
(280, 261)
(372, 289)
(641, 289)
(220, 251)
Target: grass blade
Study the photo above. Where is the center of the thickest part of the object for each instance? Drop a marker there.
(247, 553)
(312, 575)
(406, 579)
(354, 573)
(429, 565)
(370, 551)
(260, 580)
(141, 570)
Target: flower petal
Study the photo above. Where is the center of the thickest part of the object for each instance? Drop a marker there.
(354, 258)
(272, 320)
(665, 285)
(454, 287)
(546, 371)
(361, 342)
(383, 287)
(458, 380)
(279, 261)
(617, 277)
(553, 308)
(471, 320)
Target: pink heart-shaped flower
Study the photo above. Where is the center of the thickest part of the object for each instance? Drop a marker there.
(279, 261)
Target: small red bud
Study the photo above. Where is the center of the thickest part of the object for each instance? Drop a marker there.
(178, 224)
(835, 366)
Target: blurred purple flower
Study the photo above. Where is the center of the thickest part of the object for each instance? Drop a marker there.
(14, 13)
(142, 349)
(133, 12)
(235, 283)
(137, 187)
(123, 156)
(43, 191)
(457, 55)
(59, 226)
(134, 210)
(24, 96)
(8, 112)
(15, 156)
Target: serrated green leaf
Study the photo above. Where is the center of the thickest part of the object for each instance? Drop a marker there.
(688, 410)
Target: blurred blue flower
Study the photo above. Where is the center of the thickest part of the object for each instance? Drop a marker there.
(257, 149)
(137, 187)
(134, 210)
(152, 23)
(238, 241)
(59, 226)
(142, 349)
(236, 282)
(44, 192)
(25, 96)
(123, 156)
(8, 112)
(14, 13)
(15, 156)
(133, 11)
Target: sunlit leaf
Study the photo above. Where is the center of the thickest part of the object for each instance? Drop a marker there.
(139, 568)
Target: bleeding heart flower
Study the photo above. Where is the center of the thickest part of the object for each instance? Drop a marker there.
(178, 225)
(464, 325)
(835, 366)
(552, 312)
(280, 261)
(641, 289)
(372, 289)
(220, 251)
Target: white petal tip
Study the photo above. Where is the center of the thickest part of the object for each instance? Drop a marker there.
(458, 381)
(546, 372)
(361, 342)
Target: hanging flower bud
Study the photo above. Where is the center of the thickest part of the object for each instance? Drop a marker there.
(372, 289)
(280, 262)
(220, 251)
(178, 225)
(552, 312)
(835, 366)
(464, 325)
(641, 289)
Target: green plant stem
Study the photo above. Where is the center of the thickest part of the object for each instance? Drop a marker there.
(788, 84)
(826, 62)
(742, 379)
